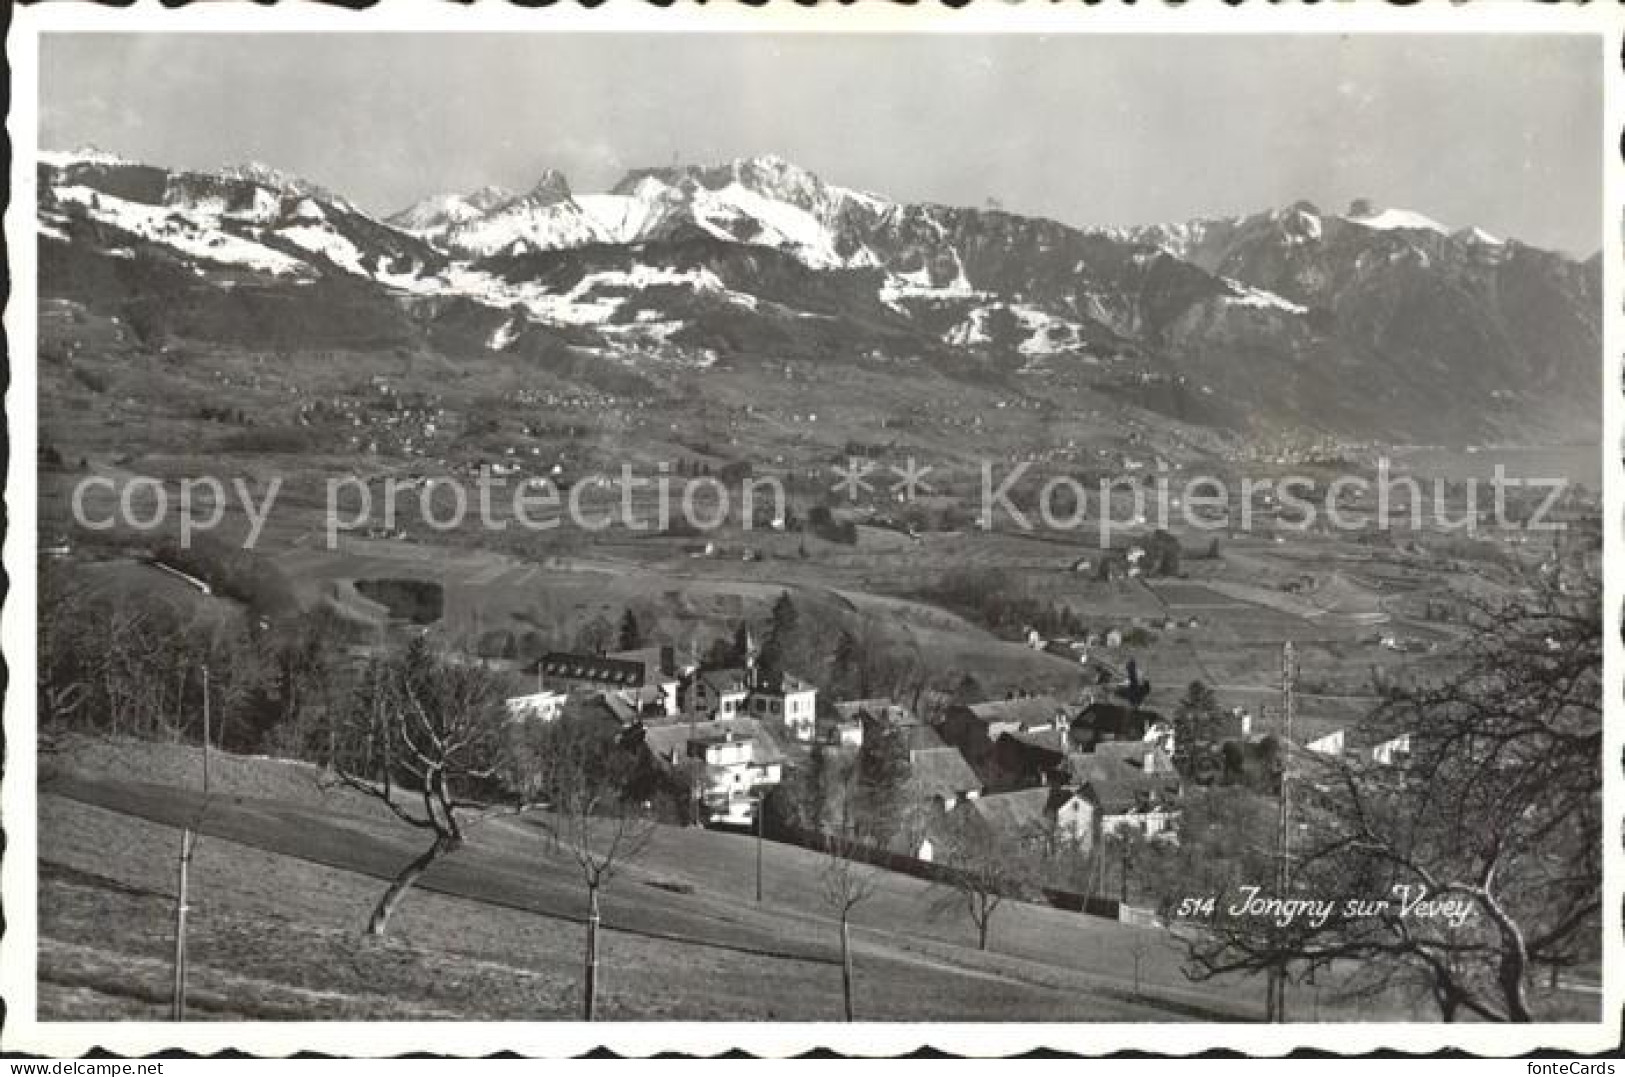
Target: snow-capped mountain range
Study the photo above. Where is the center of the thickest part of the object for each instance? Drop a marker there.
(1366, 318)
(764, 201)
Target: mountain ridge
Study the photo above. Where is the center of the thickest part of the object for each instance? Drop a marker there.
(1377, 320)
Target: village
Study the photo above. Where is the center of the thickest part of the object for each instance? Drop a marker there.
(1090, 772)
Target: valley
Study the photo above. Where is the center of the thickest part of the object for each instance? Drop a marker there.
(978, 441)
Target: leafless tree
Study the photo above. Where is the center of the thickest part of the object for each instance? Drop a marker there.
(67, 672)
(430, 739)
(582, 769)
(1497, 806)
(847, 878)
(308, 686)
(983, 869)
(1139, 948)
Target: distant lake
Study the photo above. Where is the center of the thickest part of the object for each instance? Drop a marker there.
(1576, 463)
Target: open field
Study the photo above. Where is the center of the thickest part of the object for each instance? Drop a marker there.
(282, 886)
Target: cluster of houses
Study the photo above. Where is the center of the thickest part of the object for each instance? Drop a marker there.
(1080, 769)
(709, 723)
(1030, 766)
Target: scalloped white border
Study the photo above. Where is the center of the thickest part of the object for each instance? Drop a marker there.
(18, 961)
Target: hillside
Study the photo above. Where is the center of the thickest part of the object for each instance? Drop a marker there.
(285, 873)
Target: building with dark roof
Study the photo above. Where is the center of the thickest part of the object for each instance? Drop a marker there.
(1131, 785)
(1021, 759)
(590, 672)
(723, 692)
(644, 681)
(1101, 722)
(941, 776)
(973, 728)
(1033, 814)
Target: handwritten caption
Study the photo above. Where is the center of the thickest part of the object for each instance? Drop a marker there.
(1404, 901)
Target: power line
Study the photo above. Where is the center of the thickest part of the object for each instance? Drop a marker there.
(1275, 995)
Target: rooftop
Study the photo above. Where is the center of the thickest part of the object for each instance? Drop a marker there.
(595, 668)
(1048, 740)
(1025, 710)
(1124, 796)
(670, 741)
(658, 662)
(922, 738)
(1116, 760)
(880, 707)
(942, 772)
(722, 681)
(1117, 719)
(1023, 809)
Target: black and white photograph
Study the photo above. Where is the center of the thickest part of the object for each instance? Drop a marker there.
(835, 530)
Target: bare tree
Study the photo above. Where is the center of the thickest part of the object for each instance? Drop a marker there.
(67, 670)
(583, 769)
(1139, 948)
(983, 869)
(1496, 807)
(430, 739)
(847, 879)
(307, 685)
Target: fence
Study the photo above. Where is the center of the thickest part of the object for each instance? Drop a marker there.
(903, 863)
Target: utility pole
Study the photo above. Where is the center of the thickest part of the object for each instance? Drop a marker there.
(759, 813)
(178, 1005)
(1275, 996)
(206, 732)
(589, 992)
(183, 871)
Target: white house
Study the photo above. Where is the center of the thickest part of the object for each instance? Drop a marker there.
(543, 706)
(736, 762)
(1389, 751)
(727, 693)
(1330, 744)
(1128, 786)
(790, 699)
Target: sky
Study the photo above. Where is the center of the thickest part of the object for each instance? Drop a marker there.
(1501, 132)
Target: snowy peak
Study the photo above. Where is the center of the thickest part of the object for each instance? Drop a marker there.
(435, 213)
(1230, 245)
(84, 155)
(243, 218)
(492, 219)
(282, 182)
(489, 197)
(549, 188)
(1473, 236)
(768, 174)
(1301, 222)
(759, 201)
(441, 211)
(1363, 213)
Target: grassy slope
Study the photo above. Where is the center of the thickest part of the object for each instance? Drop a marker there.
(282, 886)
